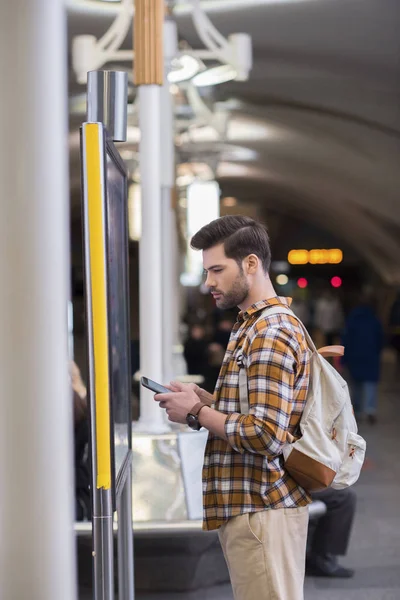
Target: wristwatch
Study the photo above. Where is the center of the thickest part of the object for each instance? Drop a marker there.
(192, 418)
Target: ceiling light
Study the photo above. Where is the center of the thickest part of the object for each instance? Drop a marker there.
(230, 152)
(127, 154)
(215, 76)
(184, 180)
(229, 201)
(202, 207)
(230, 169)
(302, 283)
(282, 279)
(183, 68)
(174, 89)
(202, 134)
(135, 212)
(183, 7)
(336, 282)
(133, 134)
(242, 128)
(192, 171)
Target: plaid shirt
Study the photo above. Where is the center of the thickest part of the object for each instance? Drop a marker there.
(246, 474)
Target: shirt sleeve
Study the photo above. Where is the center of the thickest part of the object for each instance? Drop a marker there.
(271, 373)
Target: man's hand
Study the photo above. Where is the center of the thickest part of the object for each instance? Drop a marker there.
(204, 396)
(180, 401)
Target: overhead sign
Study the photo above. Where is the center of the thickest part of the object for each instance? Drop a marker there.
(315, 257)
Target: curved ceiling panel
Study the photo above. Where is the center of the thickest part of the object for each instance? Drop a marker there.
(365, 234)
(319, 116)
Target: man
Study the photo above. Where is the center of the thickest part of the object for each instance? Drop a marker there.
(328, 317)
(330, 537)
(83, 507)
(259, 510)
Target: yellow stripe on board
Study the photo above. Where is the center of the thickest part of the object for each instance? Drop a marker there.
(94, 158)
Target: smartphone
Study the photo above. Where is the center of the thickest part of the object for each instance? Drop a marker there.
(153, 386)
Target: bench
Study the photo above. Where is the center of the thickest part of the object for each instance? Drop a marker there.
(172, 552)
(171, 557)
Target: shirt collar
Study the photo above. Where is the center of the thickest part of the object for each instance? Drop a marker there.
(261, 305)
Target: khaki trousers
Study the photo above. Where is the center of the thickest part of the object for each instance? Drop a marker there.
(265, 553)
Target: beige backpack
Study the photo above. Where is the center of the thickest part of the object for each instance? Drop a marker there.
(329, 451)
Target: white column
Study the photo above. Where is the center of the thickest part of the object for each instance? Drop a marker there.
(168, 231)
(171, 304)
(150, 259)
(36, 500)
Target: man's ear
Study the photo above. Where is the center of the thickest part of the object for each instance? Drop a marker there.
(252, 264)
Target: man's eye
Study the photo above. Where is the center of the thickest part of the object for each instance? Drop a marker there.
(217, 270)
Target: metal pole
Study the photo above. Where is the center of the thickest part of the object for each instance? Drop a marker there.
(96, 319)
(107, 101)
(169, 239)
(149, 69)
(168, 231)
(103, 542)
(169, 305)
(126, 587)
(150, 259)
(107, 98)
(36, 509)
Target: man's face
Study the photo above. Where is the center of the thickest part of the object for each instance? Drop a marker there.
(226, 280)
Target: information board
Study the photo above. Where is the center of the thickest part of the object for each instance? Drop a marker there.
(107, 306)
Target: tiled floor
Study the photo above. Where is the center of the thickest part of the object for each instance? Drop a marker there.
(375, 543)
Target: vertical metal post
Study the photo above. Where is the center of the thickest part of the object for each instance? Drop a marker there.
(107, 100)
(126, 585)
(103, 544)
(98, 359)
(168, 230)
(149, 69)
(168, 272)
(171, 304)
(107, 104)
(150, 258)
(36, 509)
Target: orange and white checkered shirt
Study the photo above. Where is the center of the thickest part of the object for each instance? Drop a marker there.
(246, 474)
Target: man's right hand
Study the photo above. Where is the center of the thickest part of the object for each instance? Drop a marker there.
(204, 396)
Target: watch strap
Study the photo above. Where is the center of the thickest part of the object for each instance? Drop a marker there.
(197, 408)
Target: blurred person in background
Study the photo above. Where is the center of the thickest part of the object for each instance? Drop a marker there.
(328, 317)
(301, 308)
(195, 350)
(363, 341)
(223, 332)
(394, 326)
(330, 536)
(83, 506)
(215, 356)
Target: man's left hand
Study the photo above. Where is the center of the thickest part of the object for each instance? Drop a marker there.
(179, 402)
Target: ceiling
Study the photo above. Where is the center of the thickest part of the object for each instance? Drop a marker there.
(317, 125)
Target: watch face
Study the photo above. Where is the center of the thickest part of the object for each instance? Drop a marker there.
(193, 422)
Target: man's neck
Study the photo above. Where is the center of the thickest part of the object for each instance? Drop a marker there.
(261, 291)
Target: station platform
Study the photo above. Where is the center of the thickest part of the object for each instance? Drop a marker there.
(374, 551)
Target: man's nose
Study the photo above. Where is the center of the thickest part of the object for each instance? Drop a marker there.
(210, 283)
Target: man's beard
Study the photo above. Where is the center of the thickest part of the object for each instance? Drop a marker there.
(236, 295)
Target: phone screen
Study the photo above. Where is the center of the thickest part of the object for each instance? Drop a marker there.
(155, 387)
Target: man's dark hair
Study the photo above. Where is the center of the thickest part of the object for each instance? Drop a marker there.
(240, 235)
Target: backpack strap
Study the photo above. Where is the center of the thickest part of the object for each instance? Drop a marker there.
(243, 387)
(281, 310)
